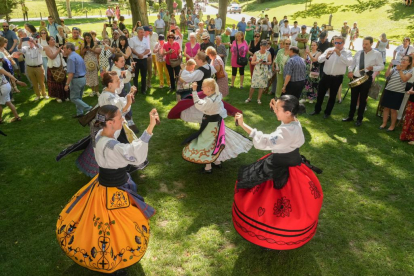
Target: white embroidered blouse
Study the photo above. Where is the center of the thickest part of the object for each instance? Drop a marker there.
(286, 138)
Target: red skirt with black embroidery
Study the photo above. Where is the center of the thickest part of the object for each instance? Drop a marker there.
(407, 133)
(279, 219)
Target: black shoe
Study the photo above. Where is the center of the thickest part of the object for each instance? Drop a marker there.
(326, 116)
(204, 171)
(314, 113)
(219, 166)
(382, 128)
(77, 116)
(390, 130)
(358, 123)
(347, 119)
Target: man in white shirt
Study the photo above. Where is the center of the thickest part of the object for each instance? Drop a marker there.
(140, 50)
(147, 36)
(294, 31)
(219, 25)
(153, 41)
(336, 59)
(285, 30)
(159, 25)
(369, 61)
(282, 21)
(34, 66)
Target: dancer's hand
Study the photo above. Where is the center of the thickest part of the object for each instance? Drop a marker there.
(194, 86)
(238, 118)
(154, 117)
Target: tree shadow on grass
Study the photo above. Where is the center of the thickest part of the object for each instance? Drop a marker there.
(399, 11)
(273, 4)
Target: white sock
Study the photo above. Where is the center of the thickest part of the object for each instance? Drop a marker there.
(208, 167)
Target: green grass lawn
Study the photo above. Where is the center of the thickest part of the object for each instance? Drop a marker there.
(392, 18)
(365, 227)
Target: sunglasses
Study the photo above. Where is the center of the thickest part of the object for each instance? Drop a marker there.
(404, 59)
(5, 26)
(75, 29)
(257, 36)
(287, 43)
(338, 43)
(171, 37)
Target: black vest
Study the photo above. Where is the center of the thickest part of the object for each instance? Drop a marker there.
(112, 177)
(207, 74)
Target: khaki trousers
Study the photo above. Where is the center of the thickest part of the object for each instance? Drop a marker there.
(37, 76)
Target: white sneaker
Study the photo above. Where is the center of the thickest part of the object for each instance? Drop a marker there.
(46, 97)
(67, 99)
(302, 101)
(59, 100)
(92, 94)
(310, 101)
(36, 99)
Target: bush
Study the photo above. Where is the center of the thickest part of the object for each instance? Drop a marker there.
(101, 1)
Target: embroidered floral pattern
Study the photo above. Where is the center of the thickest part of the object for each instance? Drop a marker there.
(314, 190)
(119, 200)
(282, 207)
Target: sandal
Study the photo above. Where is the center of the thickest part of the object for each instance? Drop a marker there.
(15, 119)
(248, 100)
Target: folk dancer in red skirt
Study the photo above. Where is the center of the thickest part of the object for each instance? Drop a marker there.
(277, 199)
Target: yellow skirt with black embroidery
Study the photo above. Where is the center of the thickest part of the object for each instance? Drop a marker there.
(105, 228)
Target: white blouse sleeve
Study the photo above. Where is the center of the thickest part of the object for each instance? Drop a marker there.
(197, 75)
(279, 139)
(202, 104)
(119, 102)
(119, 155)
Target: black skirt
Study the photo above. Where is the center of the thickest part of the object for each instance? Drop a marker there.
(392, 99)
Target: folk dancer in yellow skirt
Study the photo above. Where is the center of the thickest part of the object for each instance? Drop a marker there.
(105, 226)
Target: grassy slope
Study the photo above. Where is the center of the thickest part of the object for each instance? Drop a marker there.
(394, 19)
(365, 224)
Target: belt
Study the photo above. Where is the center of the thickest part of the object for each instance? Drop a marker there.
(35, 65)
(78, 77)
(334, 76)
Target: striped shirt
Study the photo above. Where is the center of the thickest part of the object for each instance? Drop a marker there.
(395, 83)
(296, 68)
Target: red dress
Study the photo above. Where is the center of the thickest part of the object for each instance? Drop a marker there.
(407, 133)
(279, 219)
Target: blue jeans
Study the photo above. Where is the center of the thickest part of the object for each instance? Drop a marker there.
(76, 93)
(45, 66)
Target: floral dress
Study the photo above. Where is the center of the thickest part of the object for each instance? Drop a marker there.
(91, 75)
(311, 84)
(261, 72)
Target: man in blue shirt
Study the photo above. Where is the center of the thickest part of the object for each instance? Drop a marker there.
(11, 38)
(294, 73)
(76, 78)
(52, 26)
(241, 26)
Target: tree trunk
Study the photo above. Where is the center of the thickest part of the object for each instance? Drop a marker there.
(190, 4)
(68, 9)
(170, 6)
(223, 12)
(139, 12)
(52, 8)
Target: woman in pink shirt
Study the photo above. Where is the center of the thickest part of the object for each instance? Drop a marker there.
(192, 47)
(172, 50)
(243, 48)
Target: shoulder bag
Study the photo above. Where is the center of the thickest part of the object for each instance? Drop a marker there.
(242, 61)
(58, 73)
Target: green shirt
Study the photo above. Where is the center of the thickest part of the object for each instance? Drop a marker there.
(302, 45)
(225, 39)
(166, 19)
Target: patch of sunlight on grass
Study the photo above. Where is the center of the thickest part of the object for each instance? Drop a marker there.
(57, 117)
(353, 130)
(341, 139)
(40, 105)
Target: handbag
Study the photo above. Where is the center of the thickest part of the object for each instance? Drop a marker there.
(242, 61)
(90, 65)
(58, 73)
(220, 74)
(374, 90)
(174, 62)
